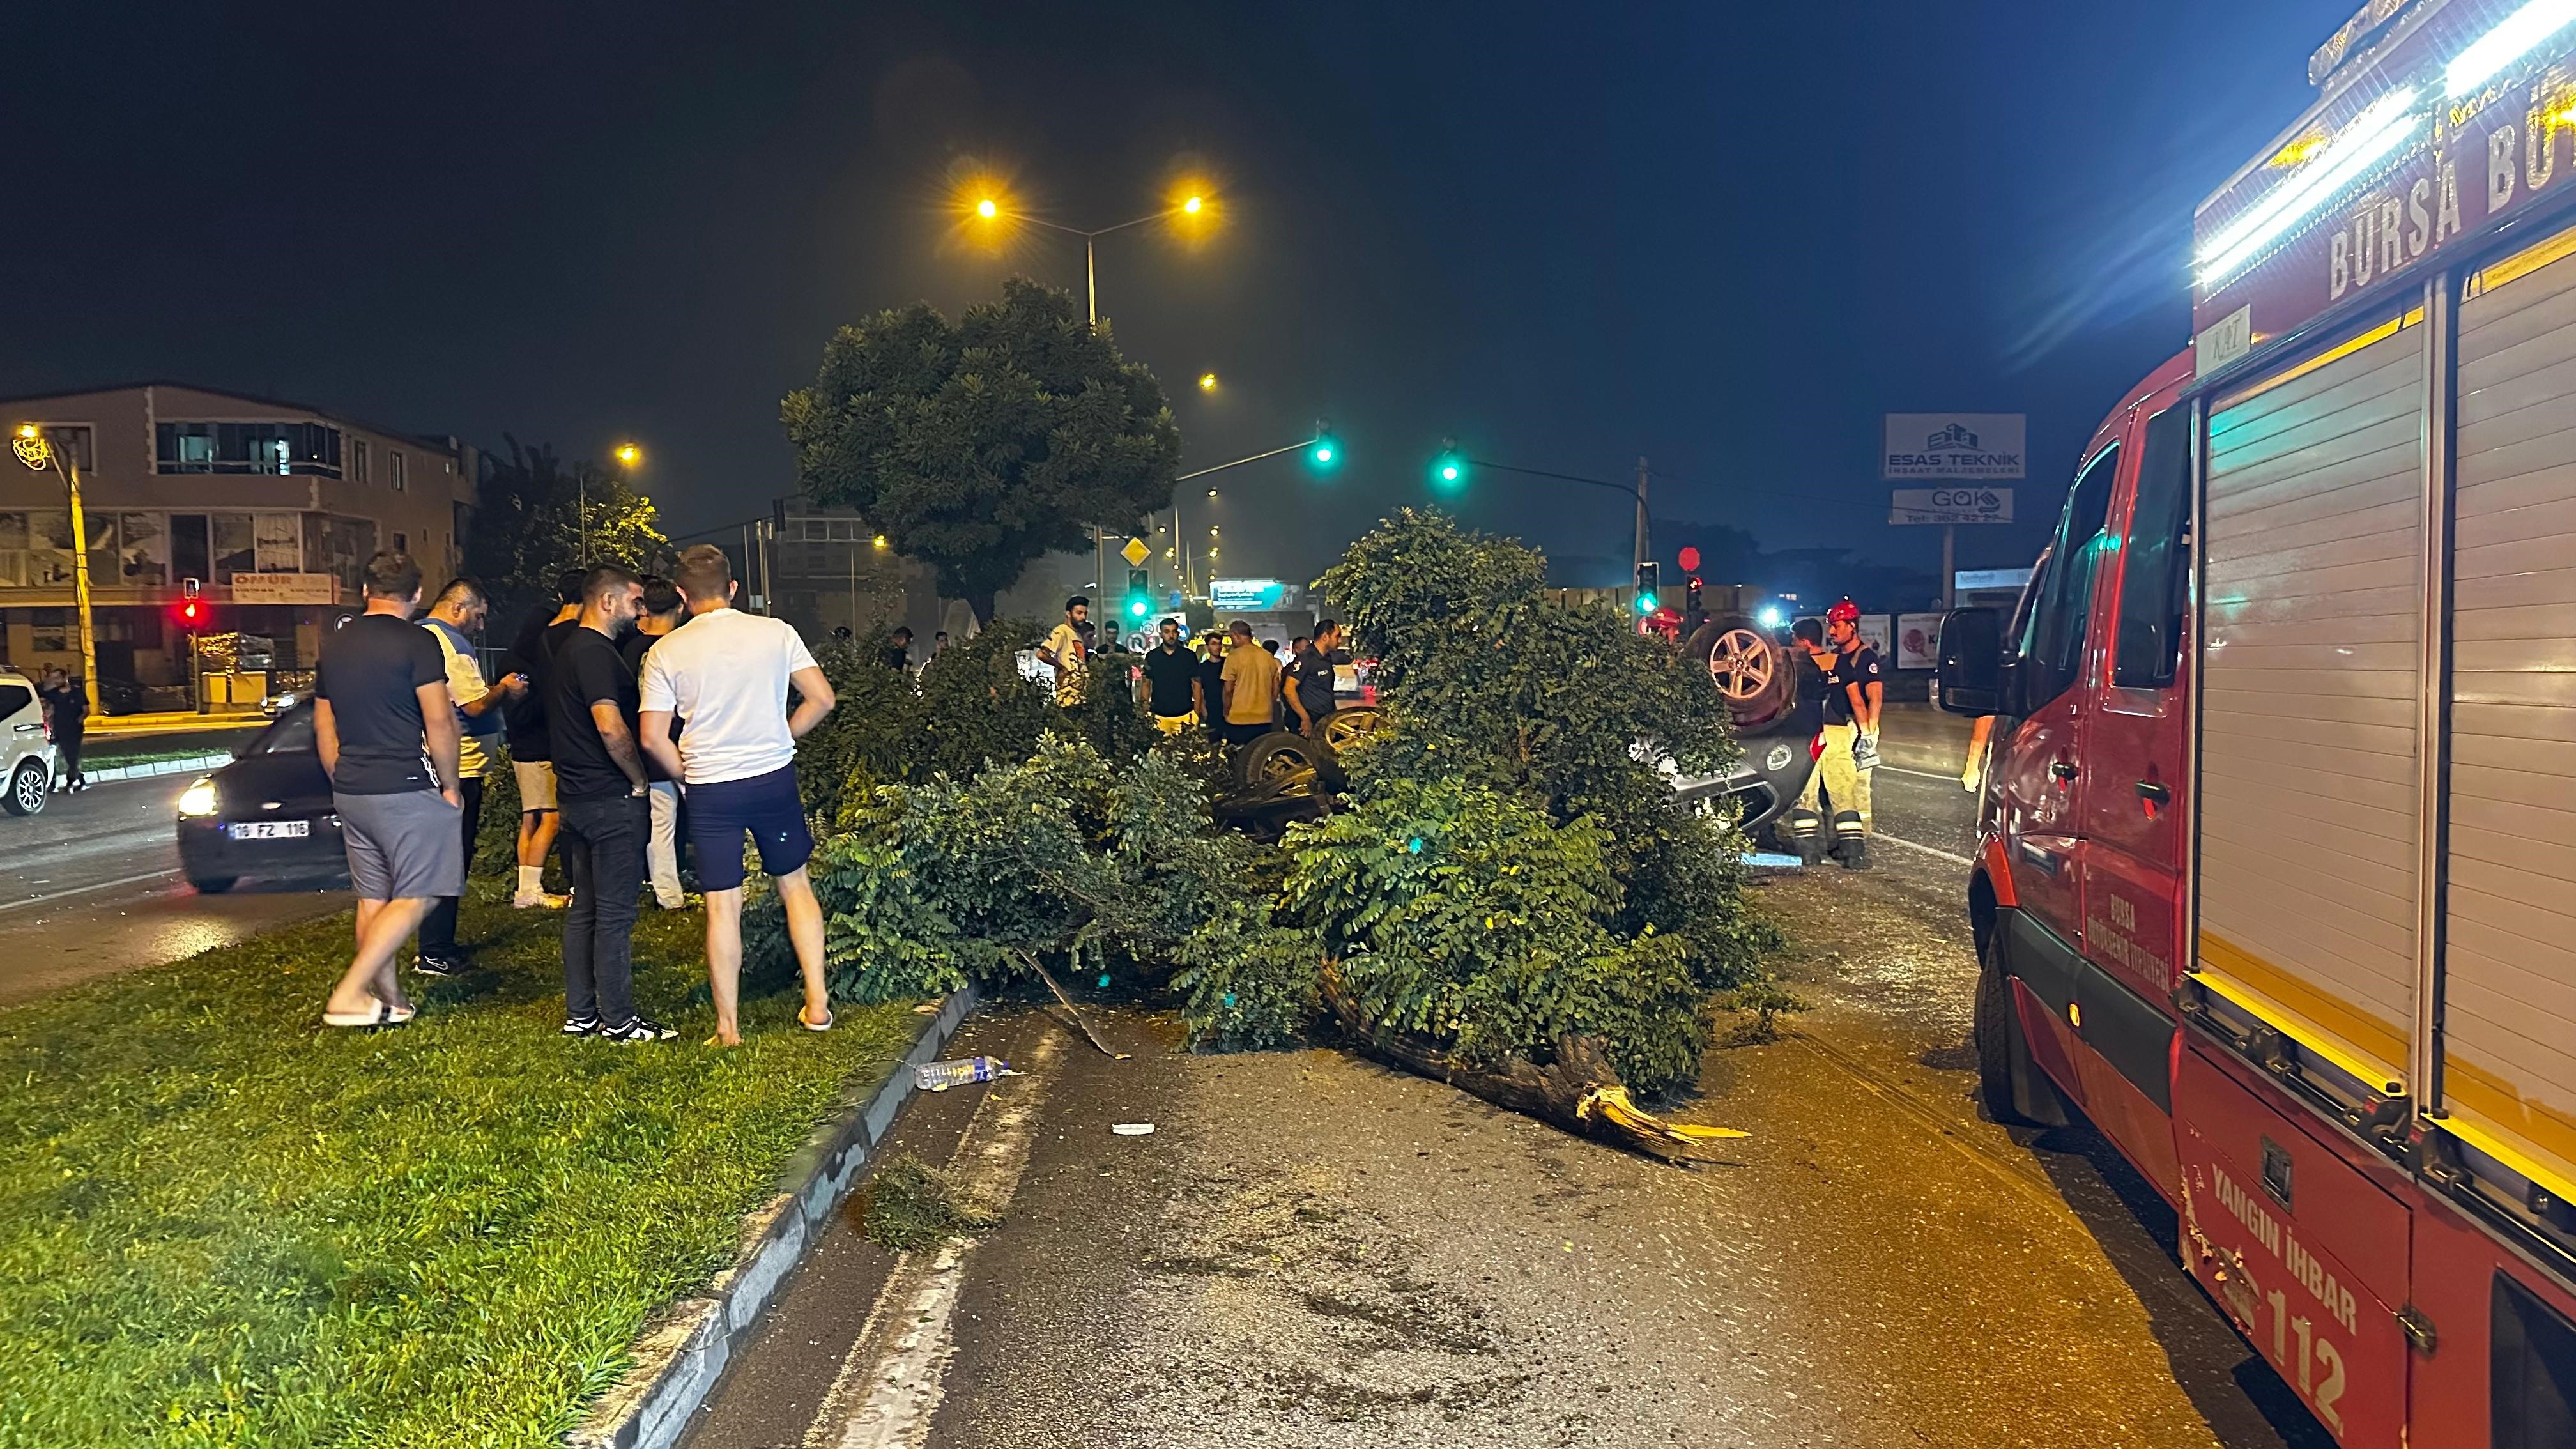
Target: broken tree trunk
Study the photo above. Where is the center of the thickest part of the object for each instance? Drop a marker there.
(1580, 1091)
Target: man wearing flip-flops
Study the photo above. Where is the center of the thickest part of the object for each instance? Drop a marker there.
(386, 728)
(725, 676)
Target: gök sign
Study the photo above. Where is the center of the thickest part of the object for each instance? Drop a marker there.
(1953, 445)
(1951, 505)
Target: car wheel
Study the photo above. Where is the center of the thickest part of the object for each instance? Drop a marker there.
(1751, 669)
(1273, 757)
(1993, 1028)
(1344, 726)
(213, 885)
(30, 785)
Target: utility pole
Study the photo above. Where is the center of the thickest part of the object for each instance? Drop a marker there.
(1642, 553)
(38, 452)
(1949, 566)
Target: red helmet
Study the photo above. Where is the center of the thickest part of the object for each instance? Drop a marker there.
(1845, 612)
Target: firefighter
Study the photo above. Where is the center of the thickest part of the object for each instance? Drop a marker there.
(1804, 825)
(1855, 690)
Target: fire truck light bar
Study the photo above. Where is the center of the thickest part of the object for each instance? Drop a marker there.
(2373, 134)
(2507, 43)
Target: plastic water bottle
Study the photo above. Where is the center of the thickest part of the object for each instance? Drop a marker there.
(940, 1076)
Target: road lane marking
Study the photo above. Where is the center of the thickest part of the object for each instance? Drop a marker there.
(1918, 774)
(889, 1386)
(1926, 849)
(21, 905)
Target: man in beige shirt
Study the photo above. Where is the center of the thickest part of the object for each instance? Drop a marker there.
(1251, 686)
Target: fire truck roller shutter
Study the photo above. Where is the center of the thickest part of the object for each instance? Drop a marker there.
(2311, 670)
(2509, 955)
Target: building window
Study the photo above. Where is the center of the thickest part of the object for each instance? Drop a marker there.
(236, 545)
(358, 460)
(247, 448)
(281, 543)
(191, 554)
(394, 469)
(402, 543)
(142, 551)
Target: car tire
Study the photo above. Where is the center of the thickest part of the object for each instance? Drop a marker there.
(213, 885)
(1752, 670)
(2010, 1086)
(1273, 756)
(30, 786)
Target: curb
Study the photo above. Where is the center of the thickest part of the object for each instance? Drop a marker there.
(157, 767)
(683, 1352)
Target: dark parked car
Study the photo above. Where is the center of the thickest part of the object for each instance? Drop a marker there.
(268, 813)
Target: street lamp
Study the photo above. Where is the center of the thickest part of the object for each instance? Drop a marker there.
(990, 208)
(38, 452)
(627, 456)
(1207, 382)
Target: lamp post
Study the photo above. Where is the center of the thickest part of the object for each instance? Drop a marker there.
(990, 209)
(627, 456)
(38, 452)
(1322, 447)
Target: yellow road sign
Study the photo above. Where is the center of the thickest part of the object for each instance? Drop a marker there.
(1135, 553)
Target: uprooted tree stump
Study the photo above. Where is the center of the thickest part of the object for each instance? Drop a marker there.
(1580, 1091)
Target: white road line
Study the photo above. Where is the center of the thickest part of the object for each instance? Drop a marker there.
(1919, 774)
(1927, 850)
(84, 890)
(888, 1389)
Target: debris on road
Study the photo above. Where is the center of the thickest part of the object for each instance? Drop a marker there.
(1132, 1129)
(1072, 1010)
(909, 1204)
(940, 1076)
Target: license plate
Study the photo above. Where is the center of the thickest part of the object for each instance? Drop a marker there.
(272, 830)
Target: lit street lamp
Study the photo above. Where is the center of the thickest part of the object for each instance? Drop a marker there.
(627, 456)
(990, 209)
(38, 452)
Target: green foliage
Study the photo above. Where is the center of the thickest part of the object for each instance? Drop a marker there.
(1108, 716)
(976, 709)
(1768, 1000)
(873, 732)
(528, 526)
(980, 445)
(907, 1205)
(1463, 915)
(1487, 675)
(220, 1225)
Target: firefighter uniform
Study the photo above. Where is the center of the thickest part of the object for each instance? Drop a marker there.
(1845, 782)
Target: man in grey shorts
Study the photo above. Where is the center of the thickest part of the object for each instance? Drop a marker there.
(386, 728)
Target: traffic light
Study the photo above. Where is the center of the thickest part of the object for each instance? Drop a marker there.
(192, 609)
(1140, 594)
(1449, 470)
(1326, 450)
(1648, 576)
(1690, 596)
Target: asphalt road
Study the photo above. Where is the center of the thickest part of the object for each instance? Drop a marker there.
(1312, 1250)
(91, 887)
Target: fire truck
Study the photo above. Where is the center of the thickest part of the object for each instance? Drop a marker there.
(2276, 881)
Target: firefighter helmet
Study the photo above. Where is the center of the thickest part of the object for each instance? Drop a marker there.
(1845, 612)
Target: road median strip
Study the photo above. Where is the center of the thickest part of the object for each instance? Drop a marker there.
(221, 1223)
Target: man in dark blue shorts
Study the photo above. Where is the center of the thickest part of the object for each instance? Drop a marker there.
(725, 676)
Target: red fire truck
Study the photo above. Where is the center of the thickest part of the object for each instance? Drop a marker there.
(2277, 874)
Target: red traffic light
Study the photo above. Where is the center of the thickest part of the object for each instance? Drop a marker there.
(192, 612)
(1689, 559)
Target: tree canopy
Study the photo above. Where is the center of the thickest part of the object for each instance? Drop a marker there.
(975, 447)
(528, 519)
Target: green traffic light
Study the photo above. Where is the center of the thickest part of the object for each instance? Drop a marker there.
(1138, 608)
(1323, 452)
(1645, 603)
(1449, 469)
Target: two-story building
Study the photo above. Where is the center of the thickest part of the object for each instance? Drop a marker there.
(271, 508)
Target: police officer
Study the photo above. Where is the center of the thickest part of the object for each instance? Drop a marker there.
(1855, 690)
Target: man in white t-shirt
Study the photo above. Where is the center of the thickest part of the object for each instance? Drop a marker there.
(725, 675)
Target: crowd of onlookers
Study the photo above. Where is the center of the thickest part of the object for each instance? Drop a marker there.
(634, 713)
(1224, 680)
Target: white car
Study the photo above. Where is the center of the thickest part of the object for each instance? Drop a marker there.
(26, 746)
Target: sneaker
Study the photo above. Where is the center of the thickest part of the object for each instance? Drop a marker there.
(641, 1029)
(581, 1026)
(429, 965)
(534, 900)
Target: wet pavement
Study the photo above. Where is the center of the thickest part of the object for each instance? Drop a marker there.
(1312, 1250)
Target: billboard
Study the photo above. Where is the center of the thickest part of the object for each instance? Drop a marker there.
(1246, 594)
(1950, 505)
(1918, 641)
(1954, 445)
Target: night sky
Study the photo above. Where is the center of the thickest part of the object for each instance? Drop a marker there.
(1726, 236)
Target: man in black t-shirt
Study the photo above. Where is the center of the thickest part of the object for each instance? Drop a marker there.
(602, 788)
(1170, 670)
(665, 608)
(385, 726)
(1310, 680)
(531, 759)
(898, 650)
(1211, 682)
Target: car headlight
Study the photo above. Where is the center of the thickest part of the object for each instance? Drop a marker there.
(198, 799)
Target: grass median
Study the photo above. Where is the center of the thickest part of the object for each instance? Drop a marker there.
(221, 1224)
